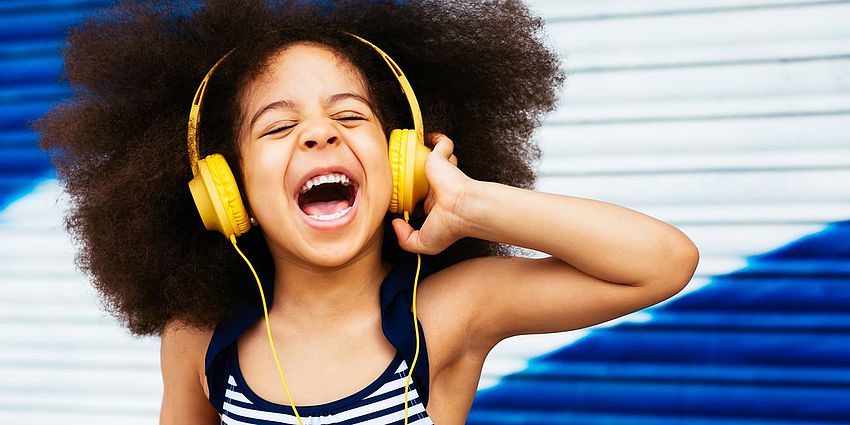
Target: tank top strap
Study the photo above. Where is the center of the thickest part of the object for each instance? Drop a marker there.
(397, 317)
(217, 362)
(396, 295)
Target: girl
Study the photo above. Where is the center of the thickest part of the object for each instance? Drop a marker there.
(302, 111)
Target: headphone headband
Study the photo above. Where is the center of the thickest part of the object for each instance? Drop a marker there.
(405, 87)
(220, 205)
(195, 115)
(195, 112)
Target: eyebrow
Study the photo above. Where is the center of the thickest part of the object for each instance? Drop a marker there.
(289, 105)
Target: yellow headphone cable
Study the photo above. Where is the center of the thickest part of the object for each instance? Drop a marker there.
(271, 341)
(214, 191)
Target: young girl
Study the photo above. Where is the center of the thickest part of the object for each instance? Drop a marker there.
(301, 110)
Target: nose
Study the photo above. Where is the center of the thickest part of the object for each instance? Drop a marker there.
(319, 134)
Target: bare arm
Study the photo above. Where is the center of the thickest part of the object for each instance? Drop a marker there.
(606, 260)
(184, 399)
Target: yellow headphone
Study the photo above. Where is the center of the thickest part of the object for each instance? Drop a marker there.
(220, 205)
(217, 196)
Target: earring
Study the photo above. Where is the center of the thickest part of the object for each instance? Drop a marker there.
(253, 221)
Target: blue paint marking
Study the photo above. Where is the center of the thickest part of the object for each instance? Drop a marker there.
(769, 342)
(31, 36)
(12, 190)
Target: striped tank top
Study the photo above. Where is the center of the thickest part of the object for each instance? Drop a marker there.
(379, 403)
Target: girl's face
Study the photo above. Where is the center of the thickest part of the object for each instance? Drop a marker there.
(314, 158)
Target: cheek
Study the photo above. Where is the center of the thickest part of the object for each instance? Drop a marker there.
(382, 185)
(381, 166)
(263, 171)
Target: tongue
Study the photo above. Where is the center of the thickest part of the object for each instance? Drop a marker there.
(324, 208)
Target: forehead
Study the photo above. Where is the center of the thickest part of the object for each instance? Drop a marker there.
(302, 71)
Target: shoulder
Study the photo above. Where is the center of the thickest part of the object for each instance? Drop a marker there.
(462, 303)
(481, 301)
(456, 286)
(447, 302)
(185, 396)
(183, 351)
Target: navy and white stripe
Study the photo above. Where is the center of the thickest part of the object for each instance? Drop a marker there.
(380, 403)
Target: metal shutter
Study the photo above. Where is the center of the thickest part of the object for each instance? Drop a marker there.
(62, 360)
(729, 119)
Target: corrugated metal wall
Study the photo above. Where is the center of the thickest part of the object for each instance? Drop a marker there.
(729, 119)
(62, 360)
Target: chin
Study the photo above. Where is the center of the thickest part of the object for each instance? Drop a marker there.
(346, 249)
(331, 258)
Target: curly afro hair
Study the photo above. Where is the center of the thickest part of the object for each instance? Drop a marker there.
(481, 70)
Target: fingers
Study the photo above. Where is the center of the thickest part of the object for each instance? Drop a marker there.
(431, 139)
(408, 238)
(429, 201)
(444, 146)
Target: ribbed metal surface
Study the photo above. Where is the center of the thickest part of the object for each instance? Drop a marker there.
(62, 360)
(731, 121)
(31, 34)
(727, 118)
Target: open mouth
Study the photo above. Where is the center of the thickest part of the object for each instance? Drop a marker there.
(327, 197)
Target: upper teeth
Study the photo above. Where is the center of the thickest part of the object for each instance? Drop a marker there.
(325, 178)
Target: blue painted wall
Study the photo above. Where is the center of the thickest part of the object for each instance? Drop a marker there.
(769, 343)
(31, 36)
(728, 119)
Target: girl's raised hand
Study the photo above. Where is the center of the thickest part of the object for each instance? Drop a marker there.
(443, 205)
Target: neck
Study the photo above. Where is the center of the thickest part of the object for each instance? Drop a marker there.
(322, 297)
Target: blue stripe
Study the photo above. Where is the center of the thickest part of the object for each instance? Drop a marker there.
(31, 36)
(765, 344)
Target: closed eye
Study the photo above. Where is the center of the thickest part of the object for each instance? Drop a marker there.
(287, 127)
(278, 130)
(349, 118)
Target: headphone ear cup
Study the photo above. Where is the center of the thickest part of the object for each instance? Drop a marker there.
(217, 197)
(407, 161)
(397, 167)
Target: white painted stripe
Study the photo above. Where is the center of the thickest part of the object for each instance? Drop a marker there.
(689, 106)
(748, 52)
(768, 26)
(721, 135)
(744, 187)
(36, 417)
(575, 165)
(581, 9)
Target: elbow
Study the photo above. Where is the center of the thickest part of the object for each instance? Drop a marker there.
(684, 258)
(679, 258)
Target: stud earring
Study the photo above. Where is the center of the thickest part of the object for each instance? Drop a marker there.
(253, 221)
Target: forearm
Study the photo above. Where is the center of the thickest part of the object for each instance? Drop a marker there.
(604, 240)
